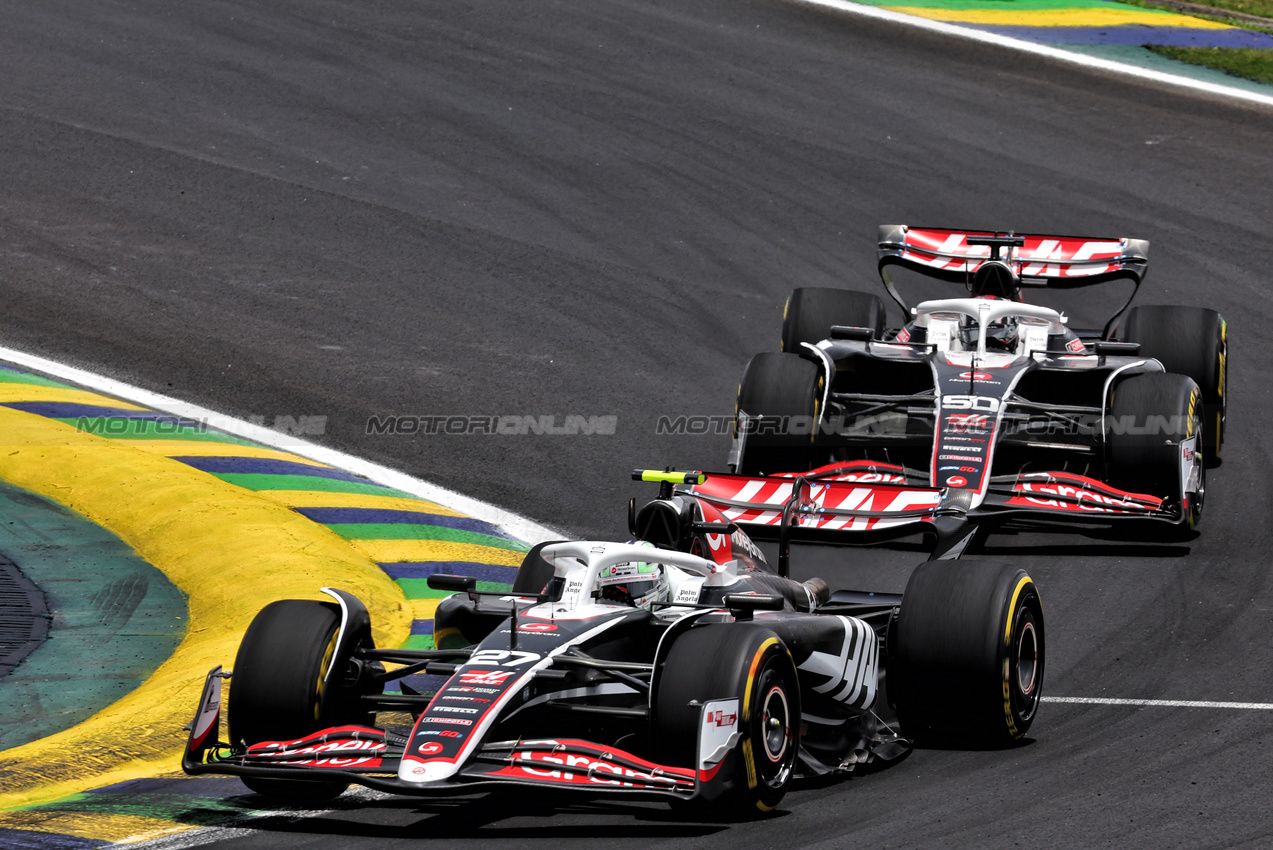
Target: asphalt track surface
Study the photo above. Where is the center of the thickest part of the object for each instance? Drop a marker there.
(597, 208)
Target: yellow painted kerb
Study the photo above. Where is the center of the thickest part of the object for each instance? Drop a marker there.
(1081, 17)
(228, 549)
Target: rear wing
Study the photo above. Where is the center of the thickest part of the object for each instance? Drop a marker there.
(1054, 262)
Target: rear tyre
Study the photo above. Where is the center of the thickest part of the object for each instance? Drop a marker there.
(811, 311)
(780, 394)
(278, 693)
(733, 661)
(1149, 417)
(967, 654)
(1189, 341)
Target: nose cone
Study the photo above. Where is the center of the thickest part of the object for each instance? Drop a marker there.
(429, 771)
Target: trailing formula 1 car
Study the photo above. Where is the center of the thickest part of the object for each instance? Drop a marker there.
(989, 404)
(680, 667)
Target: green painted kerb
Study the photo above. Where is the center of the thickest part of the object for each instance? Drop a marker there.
(115, 618)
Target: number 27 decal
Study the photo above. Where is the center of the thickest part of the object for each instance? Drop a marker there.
(502, 657)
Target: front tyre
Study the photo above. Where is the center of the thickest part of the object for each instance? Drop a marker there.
(748, 663)
(279, 689)
(1153, 418)
(966, 655)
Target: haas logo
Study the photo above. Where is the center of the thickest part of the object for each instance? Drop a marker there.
(964, 422)
(492, 677)
(720, 718)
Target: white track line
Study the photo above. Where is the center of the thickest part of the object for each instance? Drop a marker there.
(519, 526)
(1162, 703)
(1041, 50)
(242, 827)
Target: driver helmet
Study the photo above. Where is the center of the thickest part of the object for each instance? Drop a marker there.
(993, 279)
(639, 584)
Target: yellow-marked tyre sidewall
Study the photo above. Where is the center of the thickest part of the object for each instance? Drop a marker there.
(1023, 657)
(953, 660)
(767, 781)
(728, 661)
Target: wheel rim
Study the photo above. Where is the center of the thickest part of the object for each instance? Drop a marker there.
(775, 719)
(1027, 663)
(1027, 660)
(774, 734)
(320, 683)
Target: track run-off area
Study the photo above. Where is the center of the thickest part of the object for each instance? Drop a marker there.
(218, 218)
(228, 521)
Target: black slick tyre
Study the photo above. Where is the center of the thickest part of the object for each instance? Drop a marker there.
(733, 661)
(811, 311)
(780, 395)
(1149, 417)
(278, 692)
(966, 655)
(1189, 341)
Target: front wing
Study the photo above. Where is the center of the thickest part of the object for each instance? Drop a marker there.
(371, 757)
(867, 497)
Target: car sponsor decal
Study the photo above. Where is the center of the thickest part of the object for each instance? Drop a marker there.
(968, 423)
(956, 481)
(485, 677)
(341, 747)
(512, 668)
(1040, 256)
(760, 501)
(581, 763)
(1068, 492)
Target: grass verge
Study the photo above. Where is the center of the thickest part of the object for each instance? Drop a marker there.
(1251, 63)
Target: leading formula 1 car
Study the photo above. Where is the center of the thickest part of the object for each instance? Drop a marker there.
(989, 405)
(680, 667)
